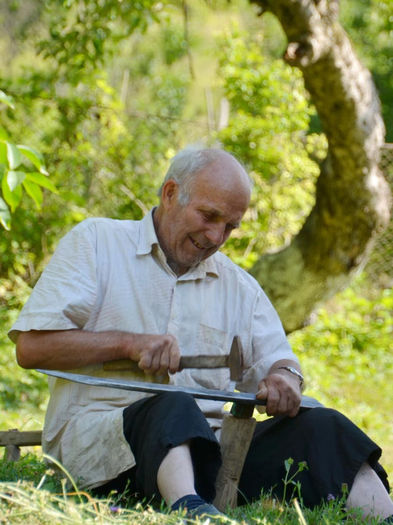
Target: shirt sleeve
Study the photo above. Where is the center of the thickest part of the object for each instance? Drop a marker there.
(66, 291)
(269, 344)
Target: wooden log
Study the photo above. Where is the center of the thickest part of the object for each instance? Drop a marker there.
(13, 439)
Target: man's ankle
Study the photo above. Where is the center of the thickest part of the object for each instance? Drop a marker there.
(189, 502)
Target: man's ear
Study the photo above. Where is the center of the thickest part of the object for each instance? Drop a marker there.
(169, 193)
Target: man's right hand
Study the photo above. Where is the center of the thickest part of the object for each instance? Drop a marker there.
(69, 349)
(155, 354)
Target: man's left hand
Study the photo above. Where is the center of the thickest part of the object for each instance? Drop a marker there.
(282, 393)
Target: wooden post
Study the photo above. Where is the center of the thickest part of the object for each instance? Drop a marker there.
(236, 435)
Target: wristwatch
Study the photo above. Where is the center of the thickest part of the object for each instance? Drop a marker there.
(293, 371)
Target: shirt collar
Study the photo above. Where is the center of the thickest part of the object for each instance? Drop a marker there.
(147, 235)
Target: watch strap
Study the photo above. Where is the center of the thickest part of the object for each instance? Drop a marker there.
(293, 371)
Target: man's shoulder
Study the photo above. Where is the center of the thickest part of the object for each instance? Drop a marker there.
(102, 232)
(230, 270)
(104, 223)
(103, 226)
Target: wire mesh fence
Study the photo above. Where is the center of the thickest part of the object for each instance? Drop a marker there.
(379, 268)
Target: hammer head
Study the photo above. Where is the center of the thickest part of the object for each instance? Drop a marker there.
(235, 360)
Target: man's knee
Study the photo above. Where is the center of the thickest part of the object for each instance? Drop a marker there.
(178, 398)
(313, 417)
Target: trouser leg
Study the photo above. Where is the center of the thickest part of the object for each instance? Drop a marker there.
(333, 447)
(154, 425)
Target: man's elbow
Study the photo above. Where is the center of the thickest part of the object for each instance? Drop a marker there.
(24, 352)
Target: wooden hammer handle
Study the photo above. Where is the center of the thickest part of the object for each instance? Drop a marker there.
(187, 361)
(203, 361)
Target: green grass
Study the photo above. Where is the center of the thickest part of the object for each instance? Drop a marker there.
(26, 502)
(347, 357)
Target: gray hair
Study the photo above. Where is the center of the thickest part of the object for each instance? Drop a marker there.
(186, 164)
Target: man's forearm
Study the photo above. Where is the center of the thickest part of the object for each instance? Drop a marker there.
(66, 349)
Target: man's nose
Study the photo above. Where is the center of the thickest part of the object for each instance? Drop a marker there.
(215, 234)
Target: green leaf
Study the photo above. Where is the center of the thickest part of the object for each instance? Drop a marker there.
(13, 155)
(34, 191)
(12, 198)
(41, 180)
(302, 466)
(14, 178)
(6, 99)
(3, 134)
(288, 462)
(34, 156)
(5, 216)
(3, 153)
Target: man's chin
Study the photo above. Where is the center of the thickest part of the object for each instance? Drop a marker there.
(203, 257)
(195, 259)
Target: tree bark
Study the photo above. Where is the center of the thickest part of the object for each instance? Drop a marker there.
(352, 196)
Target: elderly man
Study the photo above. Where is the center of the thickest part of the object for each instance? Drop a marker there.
(153, 290)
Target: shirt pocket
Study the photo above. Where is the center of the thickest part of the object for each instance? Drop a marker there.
(212, 341)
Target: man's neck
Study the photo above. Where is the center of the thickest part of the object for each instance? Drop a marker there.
(178, 270)
(173, 265)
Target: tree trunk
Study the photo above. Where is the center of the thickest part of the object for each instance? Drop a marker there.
(352, 197)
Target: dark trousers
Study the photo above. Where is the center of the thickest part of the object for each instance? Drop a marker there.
(331, 445)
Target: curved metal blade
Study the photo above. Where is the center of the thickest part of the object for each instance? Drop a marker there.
(156, 388)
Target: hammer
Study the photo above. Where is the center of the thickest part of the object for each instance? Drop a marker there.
(233, 361)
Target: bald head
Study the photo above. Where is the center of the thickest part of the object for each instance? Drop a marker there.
(192, 161)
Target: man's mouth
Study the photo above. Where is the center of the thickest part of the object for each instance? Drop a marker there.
(196, 244)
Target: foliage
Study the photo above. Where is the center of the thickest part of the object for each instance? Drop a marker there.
(347, 356)
(103, 89)
(83, 32)
(23, 395)
(290, 481)
(96, 139)
(370, 26)
(267, 130)
(32, 469)
(21, 167)
(99, 140)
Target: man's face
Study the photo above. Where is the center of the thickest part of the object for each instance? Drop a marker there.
(190, 233)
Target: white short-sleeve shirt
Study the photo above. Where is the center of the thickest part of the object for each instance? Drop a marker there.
(112, 275)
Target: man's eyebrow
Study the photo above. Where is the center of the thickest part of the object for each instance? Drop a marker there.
(213, 212)
(219, 214)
